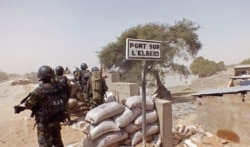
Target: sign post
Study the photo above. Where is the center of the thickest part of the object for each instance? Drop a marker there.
(144, 123)
(137, 49)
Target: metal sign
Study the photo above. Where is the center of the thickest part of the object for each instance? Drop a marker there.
(138, 49)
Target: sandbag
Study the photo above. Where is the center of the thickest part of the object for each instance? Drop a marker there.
(74, 86)
(87, 142)
(72, 103)
(104, 111)
(127, 116)
(70, 77)
(95, 131)
(136, 137)
(131, 128)
(151, 116)
(136, 101)
(110, 138)
(109, 97)
(114, 144)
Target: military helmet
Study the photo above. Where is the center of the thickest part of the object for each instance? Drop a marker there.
(45, 72)
(84, 66)
(59, 70)
(93, 69)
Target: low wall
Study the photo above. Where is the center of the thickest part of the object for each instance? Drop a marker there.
(120, 89)
(226, 116)
(123, 90)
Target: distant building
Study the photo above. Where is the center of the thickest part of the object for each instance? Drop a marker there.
(241, 70)
(241, 76)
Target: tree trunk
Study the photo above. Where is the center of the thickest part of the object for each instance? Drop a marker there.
(161, 91)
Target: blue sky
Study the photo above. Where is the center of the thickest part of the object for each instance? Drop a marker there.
(69, 32)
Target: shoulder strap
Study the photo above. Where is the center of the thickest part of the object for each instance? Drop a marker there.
(54, 88)
(24, 99)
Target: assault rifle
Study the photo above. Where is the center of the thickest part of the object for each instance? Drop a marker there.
(18, 108)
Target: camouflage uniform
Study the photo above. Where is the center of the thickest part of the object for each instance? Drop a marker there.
(80, 90)
(63, 80)
(99, 98)
(83, 79)
(48, 132)
(83, 94)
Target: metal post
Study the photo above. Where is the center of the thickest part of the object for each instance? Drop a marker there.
(144, 123)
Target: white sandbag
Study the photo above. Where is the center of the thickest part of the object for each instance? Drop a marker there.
(136, 137)
(109, 97)
(95, 131)
(127, 116)
(136, 101)
(74, 87)
(151, 116)
(70, 77)
(114, 144)
(88, 142)
(72, 103)
(104, 111)
(110, 138)
(131, 128)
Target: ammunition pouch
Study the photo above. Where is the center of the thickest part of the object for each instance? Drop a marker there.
(42, 116)
(60, 117)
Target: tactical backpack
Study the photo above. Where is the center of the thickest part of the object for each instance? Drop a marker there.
(98, 86)
(63, 81)
(85, 75)
(55, 103)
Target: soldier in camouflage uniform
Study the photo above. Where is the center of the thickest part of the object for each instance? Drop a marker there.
(63, 80)
(82, 76)
(97, 87)
(47, 103)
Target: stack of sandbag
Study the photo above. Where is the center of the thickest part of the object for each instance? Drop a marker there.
(102, 130)
(135, 126)
(113, 123)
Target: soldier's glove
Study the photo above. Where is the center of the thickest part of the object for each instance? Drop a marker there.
(18, 109)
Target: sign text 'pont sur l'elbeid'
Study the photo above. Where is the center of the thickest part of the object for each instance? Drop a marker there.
(137, 49)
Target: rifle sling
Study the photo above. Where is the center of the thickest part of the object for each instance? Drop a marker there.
(24, 99)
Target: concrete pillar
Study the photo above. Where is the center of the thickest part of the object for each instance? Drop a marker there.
(164, 112)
